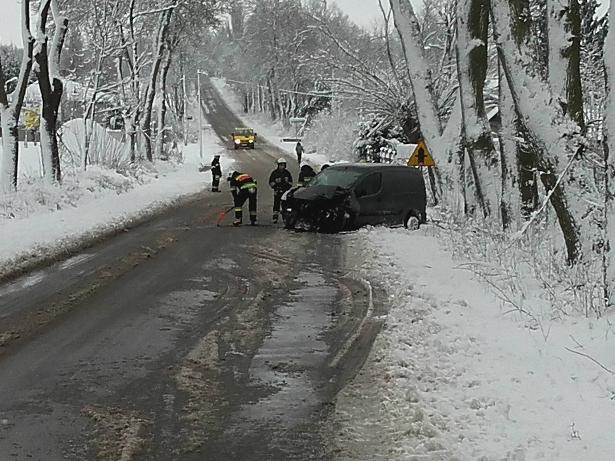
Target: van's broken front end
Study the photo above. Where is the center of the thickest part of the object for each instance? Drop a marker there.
(318, 209)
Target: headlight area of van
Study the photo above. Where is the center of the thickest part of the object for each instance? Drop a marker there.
(323, 213)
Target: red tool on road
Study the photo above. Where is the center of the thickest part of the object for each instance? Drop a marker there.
(222, 215)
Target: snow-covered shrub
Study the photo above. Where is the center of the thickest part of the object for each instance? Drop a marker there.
(529, 273)
(35, 195)
(105, 149)
(332, 134)
(373, 141)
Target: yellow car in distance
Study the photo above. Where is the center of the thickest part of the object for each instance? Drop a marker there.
(243, 137)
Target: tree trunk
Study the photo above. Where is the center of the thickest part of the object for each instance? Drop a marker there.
(162, 109)
(508, 154)
(556, 143)
(150, 92)
(9, 149)
(409, 31)
(10, 113)
(51, 86)
(272, 101)
(564, 24)
(472, 35)
(609, 149)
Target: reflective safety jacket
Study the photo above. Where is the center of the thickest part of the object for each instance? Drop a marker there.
(242, 182)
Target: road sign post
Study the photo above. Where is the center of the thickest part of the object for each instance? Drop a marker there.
(198, 80)
(185, 111)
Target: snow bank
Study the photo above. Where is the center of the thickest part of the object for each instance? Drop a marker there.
(40, 220)
(464, 376)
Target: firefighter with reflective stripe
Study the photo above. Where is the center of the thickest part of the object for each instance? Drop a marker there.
(216, 172)
(280, 181)
(243, 187)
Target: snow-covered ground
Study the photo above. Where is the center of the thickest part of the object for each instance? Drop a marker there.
(462, 376)
(41, 220)
(274, 133)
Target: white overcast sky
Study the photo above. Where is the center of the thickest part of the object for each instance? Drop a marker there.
(363, 12)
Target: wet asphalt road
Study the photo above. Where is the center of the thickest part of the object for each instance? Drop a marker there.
(177, 340)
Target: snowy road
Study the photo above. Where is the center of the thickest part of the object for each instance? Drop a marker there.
(180, 340)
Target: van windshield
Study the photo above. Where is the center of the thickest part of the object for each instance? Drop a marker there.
(343, 178)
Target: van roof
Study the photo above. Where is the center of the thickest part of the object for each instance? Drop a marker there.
(370, 167)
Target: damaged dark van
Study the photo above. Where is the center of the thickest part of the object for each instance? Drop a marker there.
(348, 196)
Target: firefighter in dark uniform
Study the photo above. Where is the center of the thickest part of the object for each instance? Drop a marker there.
(280, 181)
(243, 187)
(306, 174)
(216, 173)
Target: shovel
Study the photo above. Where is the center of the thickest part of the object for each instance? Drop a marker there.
(222, 214)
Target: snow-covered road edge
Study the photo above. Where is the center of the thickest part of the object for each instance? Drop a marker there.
(47, 236)
(43, 253)
(456, 374)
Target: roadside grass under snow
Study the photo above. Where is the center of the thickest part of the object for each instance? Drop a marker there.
(464, 375)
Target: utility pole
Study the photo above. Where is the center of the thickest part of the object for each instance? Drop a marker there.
(198, 82)
(185, 111)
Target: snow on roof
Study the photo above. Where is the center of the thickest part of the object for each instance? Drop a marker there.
(73, 91)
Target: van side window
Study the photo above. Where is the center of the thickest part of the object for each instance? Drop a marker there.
(370, 185)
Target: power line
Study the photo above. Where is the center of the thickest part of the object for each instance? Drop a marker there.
(312, 93)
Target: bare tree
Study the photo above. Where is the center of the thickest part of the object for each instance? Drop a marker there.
(472, 62)
(553, 137)
(564, 23)
(160, 44)
(47, 56)
(10, 112)
(609, 149)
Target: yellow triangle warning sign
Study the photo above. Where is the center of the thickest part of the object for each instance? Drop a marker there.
(421, 156)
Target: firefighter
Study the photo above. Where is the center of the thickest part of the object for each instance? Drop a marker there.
(306, 174)
(243, 187)
(216, 173)
(280, 181)
(299, 150)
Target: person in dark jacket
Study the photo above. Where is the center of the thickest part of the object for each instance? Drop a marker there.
(306, 174)
(243, 187)
(216, 173)
(299, 150)
(280, 181)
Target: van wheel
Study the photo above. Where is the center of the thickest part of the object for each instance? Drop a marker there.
(412, 222)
